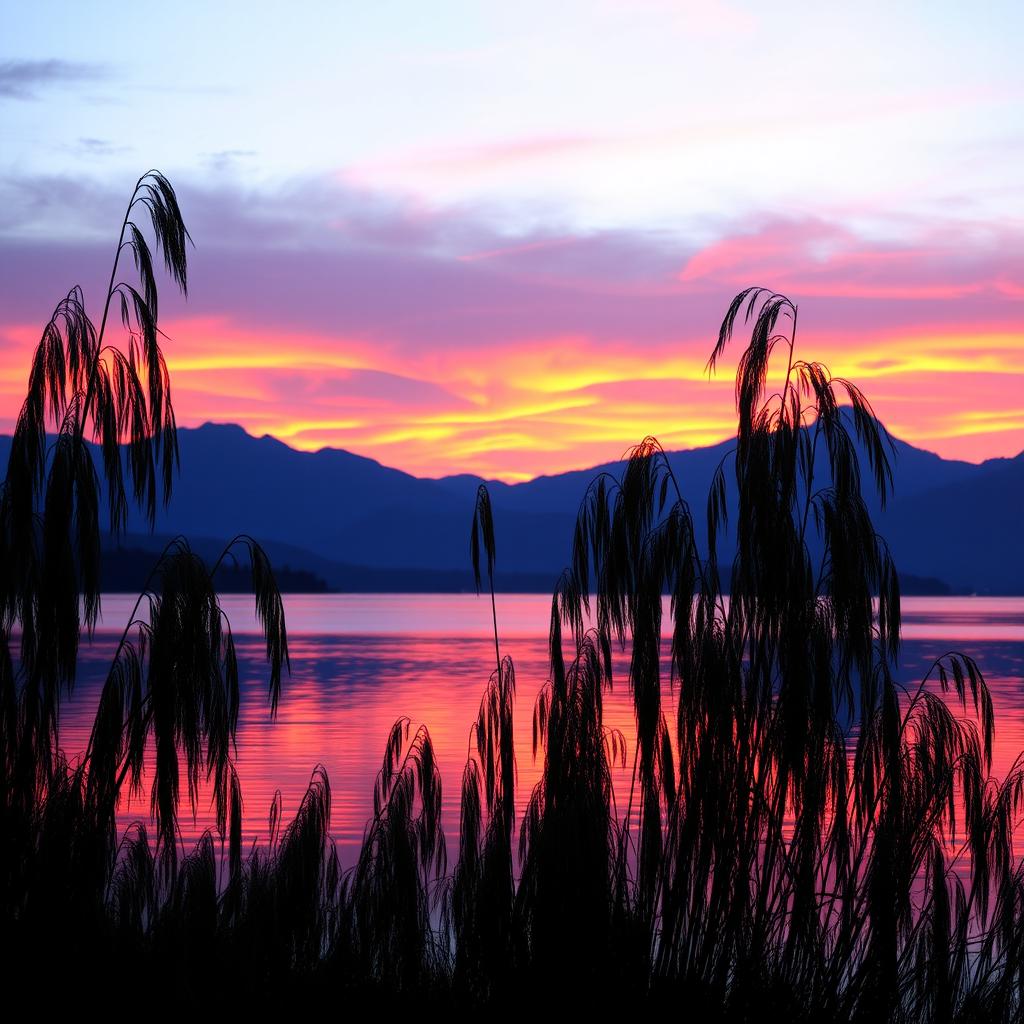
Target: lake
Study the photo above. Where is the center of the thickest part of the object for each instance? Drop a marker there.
(358, 662)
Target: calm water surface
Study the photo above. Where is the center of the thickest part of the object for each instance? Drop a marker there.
(358, 662)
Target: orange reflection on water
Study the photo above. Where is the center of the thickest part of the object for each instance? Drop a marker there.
(359, 662)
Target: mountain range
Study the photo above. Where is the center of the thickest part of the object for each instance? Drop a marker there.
(359, 525)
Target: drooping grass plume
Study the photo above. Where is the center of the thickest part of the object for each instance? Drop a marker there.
(488, 939)
(483, 523)
(83, 387)
(173, 683)
(389, 894)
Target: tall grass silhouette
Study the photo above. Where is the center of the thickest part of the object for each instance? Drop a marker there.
(801, 835)
(172, 688)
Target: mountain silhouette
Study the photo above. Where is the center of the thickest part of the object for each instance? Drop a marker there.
(358, 524)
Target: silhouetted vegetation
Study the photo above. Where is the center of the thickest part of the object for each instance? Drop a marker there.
(125, 571)
(802, 836)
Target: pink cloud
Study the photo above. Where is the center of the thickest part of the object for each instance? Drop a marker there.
(546, 352)
(813, 258)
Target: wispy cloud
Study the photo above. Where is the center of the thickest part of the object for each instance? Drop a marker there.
(99, 147)
(823, 259)
(27, 79)
(227, 159)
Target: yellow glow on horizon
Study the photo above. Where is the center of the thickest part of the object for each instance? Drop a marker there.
(499, 415)
(545, 404)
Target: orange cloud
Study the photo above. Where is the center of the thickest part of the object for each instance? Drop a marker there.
(511, 358)
(543, 405)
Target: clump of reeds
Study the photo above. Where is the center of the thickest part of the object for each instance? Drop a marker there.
(172, 689)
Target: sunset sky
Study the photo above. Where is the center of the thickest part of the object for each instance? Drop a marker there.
(500, 238)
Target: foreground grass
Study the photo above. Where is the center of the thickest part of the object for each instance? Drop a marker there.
(801, 837)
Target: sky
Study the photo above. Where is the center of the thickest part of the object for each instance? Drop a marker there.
(500, 238)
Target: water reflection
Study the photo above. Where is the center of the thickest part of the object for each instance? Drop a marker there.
(360, 661)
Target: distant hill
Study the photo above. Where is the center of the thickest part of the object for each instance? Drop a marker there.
(125, 570)
(126, 564)
(969, 531)
(356, 524)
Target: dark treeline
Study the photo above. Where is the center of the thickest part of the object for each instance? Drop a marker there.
(802, 836)
(127, 571)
